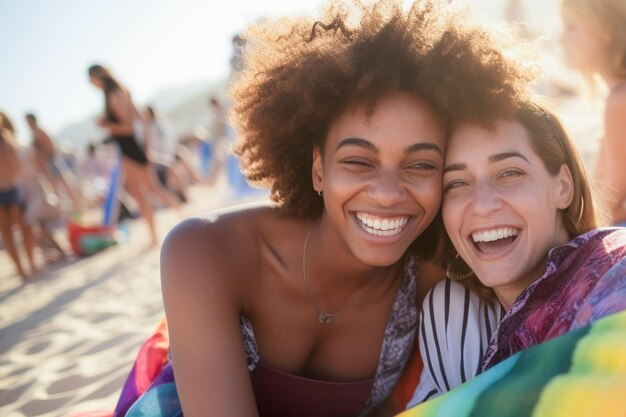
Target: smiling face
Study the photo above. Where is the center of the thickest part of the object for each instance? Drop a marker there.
(381, 176)
(501, 206)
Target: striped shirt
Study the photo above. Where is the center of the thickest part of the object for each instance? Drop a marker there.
(455, 328)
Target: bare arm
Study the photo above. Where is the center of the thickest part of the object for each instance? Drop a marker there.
(611, 170)
(202, 293)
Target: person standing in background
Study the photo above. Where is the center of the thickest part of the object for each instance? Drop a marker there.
(138, 176)
(594, 42)
(156, 145)
(45, 159)
(157, 142)
(10, 210)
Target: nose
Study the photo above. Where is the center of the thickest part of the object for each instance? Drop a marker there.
(388, 189)
(484, 199)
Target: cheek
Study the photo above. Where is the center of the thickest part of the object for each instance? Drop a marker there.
(340, 181)
(429, 194)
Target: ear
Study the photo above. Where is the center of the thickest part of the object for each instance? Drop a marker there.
(565, 188)
(317, 171)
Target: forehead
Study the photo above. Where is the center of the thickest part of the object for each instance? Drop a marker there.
(401, 116)
(471, 142)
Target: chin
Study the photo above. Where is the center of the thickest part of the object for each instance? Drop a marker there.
(493, 279)
(381, 261)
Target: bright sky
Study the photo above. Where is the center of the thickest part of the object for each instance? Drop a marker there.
(47, 46)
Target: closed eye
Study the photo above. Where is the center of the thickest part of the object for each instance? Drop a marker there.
(424, 166)
(357, 163)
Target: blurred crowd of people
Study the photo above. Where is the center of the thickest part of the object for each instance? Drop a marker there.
(140, 165)
(43, 188)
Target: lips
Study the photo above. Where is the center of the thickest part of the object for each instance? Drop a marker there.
(493, 240)
(381, 226)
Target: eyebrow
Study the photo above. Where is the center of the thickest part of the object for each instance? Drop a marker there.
(455, 167)
(505, 155)
(423, 146)
(416, 147)
(492, 159)
(362, 143)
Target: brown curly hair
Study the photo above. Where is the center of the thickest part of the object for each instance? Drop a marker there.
(300, 74)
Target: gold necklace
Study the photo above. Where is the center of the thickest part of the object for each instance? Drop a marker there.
(325, 317)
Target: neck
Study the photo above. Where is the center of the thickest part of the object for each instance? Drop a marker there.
(333, 266)
(505, 302)
(508, 294)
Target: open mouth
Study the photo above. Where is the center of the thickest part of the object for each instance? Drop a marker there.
(381, 226)
(490, 241)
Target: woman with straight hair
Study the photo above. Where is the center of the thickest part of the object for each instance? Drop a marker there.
(139, 178)
(527, 261)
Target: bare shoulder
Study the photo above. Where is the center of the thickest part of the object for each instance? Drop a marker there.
(221, 243)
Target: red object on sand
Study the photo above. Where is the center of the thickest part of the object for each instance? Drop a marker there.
(87, 240)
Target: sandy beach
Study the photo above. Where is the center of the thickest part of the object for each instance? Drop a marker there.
(68, 337)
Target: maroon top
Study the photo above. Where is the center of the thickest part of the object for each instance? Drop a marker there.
(279, 394)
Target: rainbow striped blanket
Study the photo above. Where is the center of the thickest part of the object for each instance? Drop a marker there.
(581, 373)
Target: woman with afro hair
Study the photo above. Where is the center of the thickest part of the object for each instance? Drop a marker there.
(309, 306)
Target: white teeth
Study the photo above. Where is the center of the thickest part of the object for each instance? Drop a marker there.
(379, 226)
(495, 234)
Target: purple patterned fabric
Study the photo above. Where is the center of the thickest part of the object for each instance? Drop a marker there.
(584, 281)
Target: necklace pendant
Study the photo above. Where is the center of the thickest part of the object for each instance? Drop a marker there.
(324, 317)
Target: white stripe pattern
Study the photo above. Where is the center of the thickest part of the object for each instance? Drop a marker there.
(455, 327)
